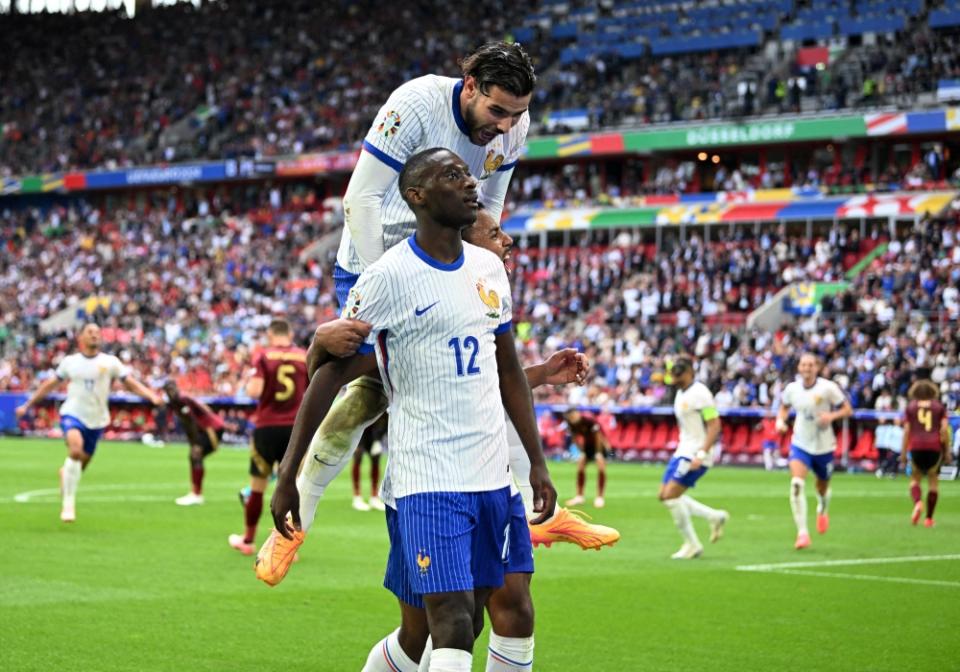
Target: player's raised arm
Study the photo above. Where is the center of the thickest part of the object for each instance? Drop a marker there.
(320, 394)
(46, 387)
(141, 390)
(361, 205)
(518, 402)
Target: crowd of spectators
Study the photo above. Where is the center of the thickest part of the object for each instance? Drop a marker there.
(241, 78)
(187, 292)
(633, 311)
(177, 295)
(270, 78)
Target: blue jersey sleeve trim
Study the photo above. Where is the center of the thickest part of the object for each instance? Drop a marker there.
(507, 166)
(504, 328)
(383, 156)
(457, 114)
(365, 349)
(430, 261)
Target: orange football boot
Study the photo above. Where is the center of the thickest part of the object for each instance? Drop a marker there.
(276, 555)
(568, 526)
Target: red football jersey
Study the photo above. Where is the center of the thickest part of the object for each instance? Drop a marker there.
(924, 419)
(587, 430)
(284, 373)
(204, 419)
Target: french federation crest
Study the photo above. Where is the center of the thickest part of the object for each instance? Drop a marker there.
(490, 299)
(389, 125)
(423, 562)
(491, 163)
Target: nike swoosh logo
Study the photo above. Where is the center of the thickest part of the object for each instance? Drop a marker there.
(321, 461)
(421, 311)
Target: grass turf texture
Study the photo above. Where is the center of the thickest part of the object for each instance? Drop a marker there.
(138, 583)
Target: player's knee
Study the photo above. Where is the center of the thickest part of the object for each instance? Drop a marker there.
(452, 620)
(512, 613)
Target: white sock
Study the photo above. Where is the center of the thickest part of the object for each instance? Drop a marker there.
(699, 509)
(768, 460)
(72, 470)
(388, 656)
(335, 441)
(312, 483)
(823, 501)
(798, 504)
(509, 654)
(425, 656)
(450, 660)
(681, 517)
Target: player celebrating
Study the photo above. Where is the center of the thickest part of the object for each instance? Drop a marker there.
(483, 119)
(699, 424)
(278, 383)
(85, 412)
(440, 311)
(589, 437)
(818, 403)
(203, 428)
(926, 438)
(510, 607)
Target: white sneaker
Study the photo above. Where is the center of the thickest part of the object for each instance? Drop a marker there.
(575, 501)
(189, 499)
(687, 552)
(716, 527)
(359, 504)
(377, 503)
(68, 514)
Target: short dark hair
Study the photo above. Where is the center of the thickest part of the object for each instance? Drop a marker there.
(279, 328)
(681, 364)
(413, 169)
(502, 64)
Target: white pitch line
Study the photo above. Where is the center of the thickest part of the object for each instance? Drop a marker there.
(869, 577)
(46, 493)
(845, 563)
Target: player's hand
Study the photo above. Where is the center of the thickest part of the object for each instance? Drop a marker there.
(544, 494)
(824, 420)
(285, 500)
(21, 411)
(566, 366)
(695, 463)
(782, 426)
(342, 337)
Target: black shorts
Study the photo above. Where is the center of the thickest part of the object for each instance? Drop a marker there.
(590, 451)
(924, 461)
(269, 445)
(210, 440)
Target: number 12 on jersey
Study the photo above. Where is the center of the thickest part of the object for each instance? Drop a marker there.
(471, 346)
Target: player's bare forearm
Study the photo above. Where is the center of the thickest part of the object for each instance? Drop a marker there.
(905, 444)
(316, 357)
(782, 416)
(46, 387)
(142, 390)
(534, 375)
(713, 434)
(254, 387)
(518, 403)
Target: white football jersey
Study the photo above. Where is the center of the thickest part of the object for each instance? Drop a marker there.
(422, 114)
(688, 407)
(88, 391)
(809, 402)
(433, 330)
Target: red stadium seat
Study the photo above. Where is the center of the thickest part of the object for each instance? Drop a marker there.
(659, 439)
(644, 436)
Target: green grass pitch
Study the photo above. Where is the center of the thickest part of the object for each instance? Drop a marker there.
(138, 583)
